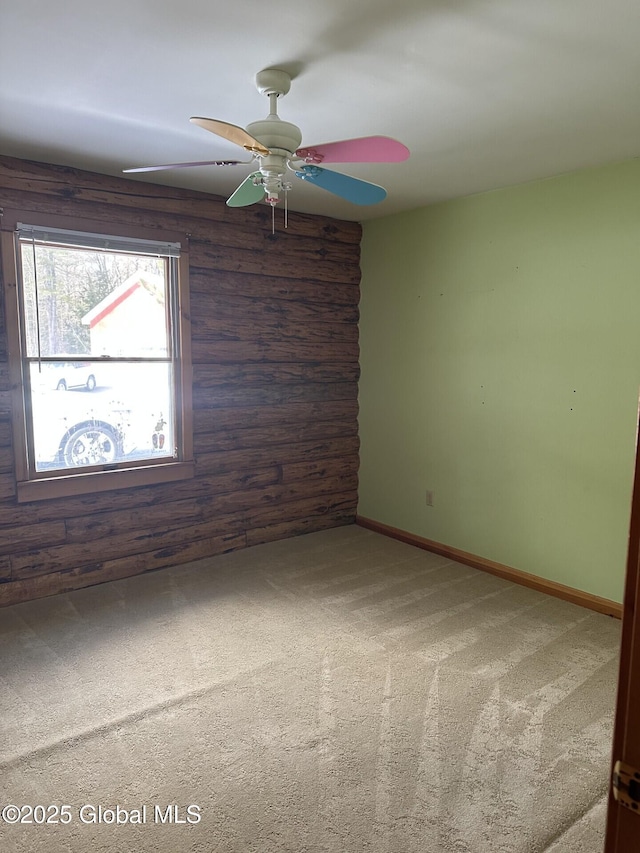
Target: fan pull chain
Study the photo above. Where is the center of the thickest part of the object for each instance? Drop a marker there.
(286, 208)
(273, 219)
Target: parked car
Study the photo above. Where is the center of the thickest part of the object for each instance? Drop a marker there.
(61, 375)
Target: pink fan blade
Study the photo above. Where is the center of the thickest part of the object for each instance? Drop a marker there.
(187, 165)
(366, 149)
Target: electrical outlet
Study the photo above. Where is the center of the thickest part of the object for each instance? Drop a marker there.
(429, 498)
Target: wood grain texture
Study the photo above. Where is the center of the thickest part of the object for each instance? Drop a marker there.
(275, 350)
(88, 190)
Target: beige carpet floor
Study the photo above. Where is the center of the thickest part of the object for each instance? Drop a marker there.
(338, 692)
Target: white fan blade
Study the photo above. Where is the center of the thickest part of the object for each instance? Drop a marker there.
(188, 165)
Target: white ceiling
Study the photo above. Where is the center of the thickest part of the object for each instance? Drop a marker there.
(485, 93)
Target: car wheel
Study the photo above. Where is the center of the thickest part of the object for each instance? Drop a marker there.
(91, 444)
(91, 383)
(61, 386)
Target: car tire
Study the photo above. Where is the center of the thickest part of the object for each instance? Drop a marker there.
(90, 444)
(61, 386)
(91, 383)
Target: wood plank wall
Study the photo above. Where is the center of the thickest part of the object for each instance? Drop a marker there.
(275, 353)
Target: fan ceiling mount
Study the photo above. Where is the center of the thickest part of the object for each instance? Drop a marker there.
(274, 145)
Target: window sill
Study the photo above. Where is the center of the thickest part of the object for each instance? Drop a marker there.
(102, 481)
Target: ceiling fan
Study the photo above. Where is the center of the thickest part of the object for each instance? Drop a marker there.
(274, 145)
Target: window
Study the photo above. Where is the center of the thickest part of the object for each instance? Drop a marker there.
(98, 345)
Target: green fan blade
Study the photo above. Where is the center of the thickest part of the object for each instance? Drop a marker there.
(247, 193)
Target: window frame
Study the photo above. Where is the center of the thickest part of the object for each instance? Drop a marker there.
(32, 487)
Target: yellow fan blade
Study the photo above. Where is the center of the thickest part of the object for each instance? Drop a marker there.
(231, 132)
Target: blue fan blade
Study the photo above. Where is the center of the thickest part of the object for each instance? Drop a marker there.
(247, 193)
(352, 189)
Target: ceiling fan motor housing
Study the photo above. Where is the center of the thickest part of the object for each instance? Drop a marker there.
(274, 133)
(281, 137)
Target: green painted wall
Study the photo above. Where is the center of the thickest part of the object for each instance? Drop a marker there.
(500, 355)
